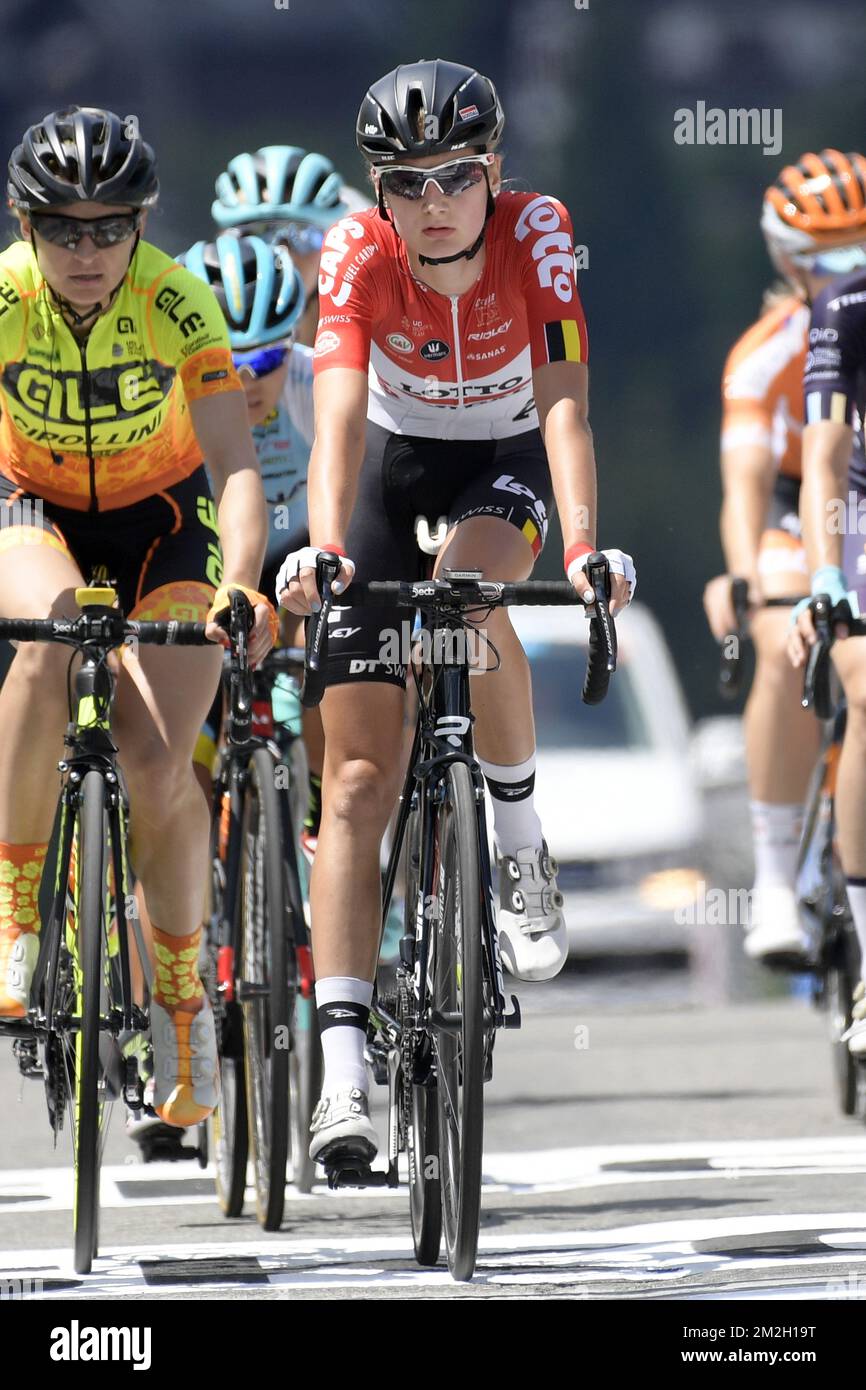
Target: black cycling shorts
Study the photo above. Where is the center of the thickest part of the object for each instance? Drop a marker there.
(162, 554)
(403, 477)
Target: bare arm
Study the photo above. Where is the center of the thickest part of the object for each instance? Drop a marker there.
(826, 455)
(338, 450)
(561, 395)
(222, 428)
(747, 483)
(561, 398)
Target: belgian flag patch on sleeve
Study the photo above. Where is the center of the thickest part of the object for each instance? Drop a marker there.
(566, 341)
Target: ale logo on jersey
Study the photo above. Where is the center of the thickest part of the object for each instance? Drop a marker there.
(434, 350)
(400, 343)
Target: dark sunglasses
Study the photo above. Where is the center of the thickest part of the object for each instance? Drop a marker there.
(261, 361)
(455, 176)
(68, 231)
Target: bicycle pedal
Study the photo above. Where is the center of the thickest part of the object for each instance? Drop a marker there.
(377, 1060)
(164, 1146)
(29, 1065)
(514, 1019)
(360, 1174)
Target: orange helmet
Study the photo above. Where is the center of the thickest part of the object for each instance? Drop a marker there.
(817, 203)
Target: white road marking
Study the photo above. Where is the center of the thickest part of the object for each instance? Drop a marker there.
(527, 1173)
(658, 1255)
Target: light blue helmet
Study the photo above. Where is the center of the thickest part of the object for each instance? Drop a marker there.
(259, 290)
(278, 183)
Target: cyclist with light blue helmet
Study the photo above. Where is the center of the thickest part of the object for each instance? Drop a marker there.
(289, 195)
(262, 297)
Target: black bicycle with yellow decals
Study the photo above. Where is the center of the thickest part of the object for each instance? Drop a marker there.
(83, 1010)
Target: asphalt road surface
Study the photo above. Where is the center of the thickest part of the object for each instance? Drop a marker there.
(637, 1146)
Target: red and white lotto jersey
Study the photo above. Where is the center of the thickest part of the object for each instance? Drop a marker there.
(453, 366)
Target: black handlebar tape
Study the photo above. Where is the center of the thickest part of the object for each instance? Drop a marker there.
(168, 634)
(316, 635)
(50, 629)
(30, 629)
(531, 592)
(597, 671)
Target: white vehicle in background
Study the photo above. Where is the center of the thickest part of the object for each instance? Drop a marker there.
(615, 784)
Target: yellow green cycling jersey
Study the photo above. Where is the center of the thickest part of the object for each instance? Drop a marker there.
(101, 424)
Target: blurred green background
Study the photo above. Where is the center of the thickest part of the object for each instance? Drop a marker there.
(676, 263)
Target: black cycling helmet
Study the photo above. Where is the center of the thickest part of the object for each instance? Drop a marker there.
(428, 108)
(85, 154)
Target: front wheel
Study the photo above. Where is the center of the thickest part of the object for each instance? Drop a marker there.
(842, 977)
(307, 1069)
(229, 1124)
(419, 1104)
(264, 986)
(90, 957)
(458, 1019)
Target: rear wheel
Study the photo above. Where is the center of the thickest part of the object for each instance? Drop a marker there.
(458, 1020)
(420, 1110)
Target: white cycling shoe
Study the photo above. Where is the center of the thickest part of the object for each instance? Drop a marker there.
(776, 935)
(342, 1129)
(855, 1037)
(533, 939)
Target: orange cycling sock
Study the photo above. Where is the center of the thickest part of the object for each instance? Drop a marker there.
(177, 984)
(20, 876)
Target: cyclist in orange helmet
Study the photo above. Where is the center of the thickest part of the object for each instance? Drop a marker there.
(812, 214)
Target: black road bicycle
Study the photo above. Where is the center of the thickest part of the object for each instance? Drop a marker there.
(82, 1005)
(259, 972)
(431, 1038)
(821, 894)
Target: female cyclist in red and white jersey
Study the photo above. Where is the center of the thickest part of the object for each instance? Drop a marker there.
(451, 381)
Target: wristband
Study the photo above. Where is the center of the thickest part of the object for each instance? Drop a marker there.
(333, 550)
(222, 601)
(574, 552)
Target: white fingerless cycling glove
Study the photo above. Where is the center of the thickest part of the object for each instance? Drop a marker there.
(306, 558)
(619, 562)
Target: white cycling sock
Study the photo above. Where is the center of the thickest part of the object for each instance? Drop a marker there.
(776, 830)
(857, 902)
(515, 820)
(343, 1007)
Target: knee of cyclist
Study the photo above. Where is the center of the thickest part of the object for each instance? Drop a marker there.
(43, 665)
(156, 771)
(360, 791)
(855, 699)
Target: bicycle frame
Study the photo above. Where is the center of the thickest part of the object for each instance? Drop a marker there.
(443, 735)
(90, 748)
(247, 692)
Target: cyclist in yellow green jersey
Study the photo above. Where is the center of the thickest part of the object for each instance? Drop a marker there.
(116, 378)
